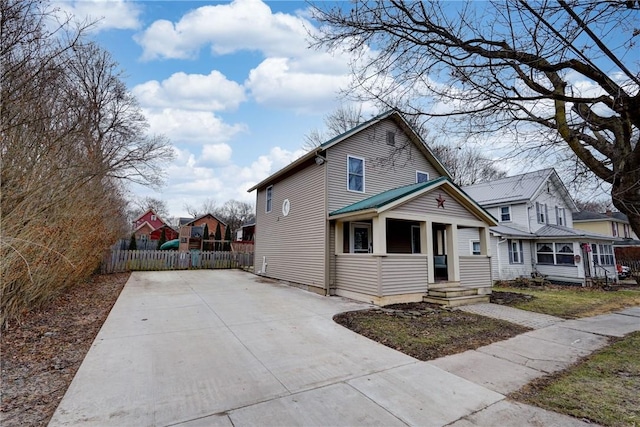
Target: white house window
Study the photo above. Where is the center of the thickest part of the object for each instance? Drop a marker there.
(561, 218)
(614, 229)
(564, 253)
(361, 238)
(269, 201)
(555, 253)
(515, 252)
(541, 213)
(505, 213)
(422, 176)
(544, 252)
(603, 254)
(475, 247)
(355, 174)
(627, 234)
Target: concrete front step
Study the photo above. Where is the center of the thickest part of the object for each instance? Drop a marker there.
(452, 292)
(456, 301)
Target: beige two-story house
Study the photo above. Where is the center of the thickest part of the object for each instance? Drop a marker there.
(373, 215)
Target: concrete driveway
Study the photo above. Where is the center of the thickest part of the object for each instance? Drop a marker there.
(202, 348)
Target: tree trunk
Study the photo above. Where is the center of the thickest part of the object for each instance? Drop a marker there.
(626, 196)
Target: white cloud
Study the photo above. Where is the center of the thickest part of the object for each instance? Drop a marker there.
(215, 154)
(191, 127)
(107, 14)
(190, 182)
(274, 83)
(240, 25)
(191, 91)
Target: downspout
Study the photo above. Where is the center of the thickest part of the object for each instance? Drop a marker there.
(499, 262)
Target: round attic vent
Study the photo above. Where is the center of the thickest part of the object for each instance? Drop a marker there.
(286, 206)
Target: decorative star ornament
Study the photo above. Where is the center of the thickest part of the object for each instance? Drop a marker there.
(440, 201)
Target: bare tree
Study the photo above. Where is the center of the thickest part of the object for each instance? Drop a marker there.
(467, 165)
(553, 75)
(141, 205)
(235, 213)
(70, 136)
(344, 118)
(207, 206)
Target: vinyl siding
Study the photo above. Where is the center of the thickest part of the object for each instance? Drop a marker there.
(294, 245)
(501, 269)
(552, 199)
(358, 273)
(382, 170)
(519, 216)
(426, 204)
(404, 274)
(603, 227)
(475, 270)
(465, 237)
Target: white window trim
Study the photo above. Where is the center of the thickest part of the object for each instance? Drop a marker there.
(500, 213)
(424, 173)
(268, 199)
(363, 174)
(352, 226)
(555, 252)
(520, 251)
(471, 242)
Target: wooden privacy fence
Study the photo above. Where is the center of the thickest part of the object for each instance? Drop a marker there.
(118, 261)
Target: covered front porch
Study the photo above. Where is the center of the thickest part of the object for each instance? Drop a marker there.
(411, 251)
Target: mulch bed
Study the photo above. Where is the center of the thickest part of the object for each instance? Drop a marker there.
(41, 354)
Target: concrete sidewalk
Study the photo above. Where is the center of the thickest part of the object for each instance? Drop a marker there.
(201, 348)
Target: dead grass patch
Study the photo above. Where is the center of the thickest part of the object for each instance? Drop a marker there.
(427, 331)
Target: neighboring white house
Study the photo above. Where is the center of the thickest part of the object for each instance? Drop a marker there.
(535, 234)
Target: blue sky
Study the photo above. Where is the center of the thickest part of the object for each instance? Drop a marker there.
(233, 85)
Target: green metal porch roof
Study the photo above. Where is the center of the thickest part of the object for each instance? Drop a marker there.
(386, 197)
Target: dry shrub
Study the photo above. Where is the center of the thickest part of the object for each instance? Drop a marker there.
(70, 135)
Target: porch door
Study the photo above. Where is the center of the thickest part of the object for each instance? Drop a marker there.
(361, 238)
(440, 265)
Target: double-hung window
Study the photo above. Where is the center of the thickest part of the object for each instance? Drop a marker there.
(269, 200)
(541, 213)
(505, 213)
(555, 253)
(422, 176)
(561, 218)
(564, 253)
(515, 252)
(355, 174)
(475, 247)
(544, 252)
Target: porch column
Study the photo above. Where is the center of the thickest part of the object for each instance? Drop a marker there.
(485, 238)
(453, 258)
(428, 234)
(379, 235)
(423, 238)
(339, 237)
